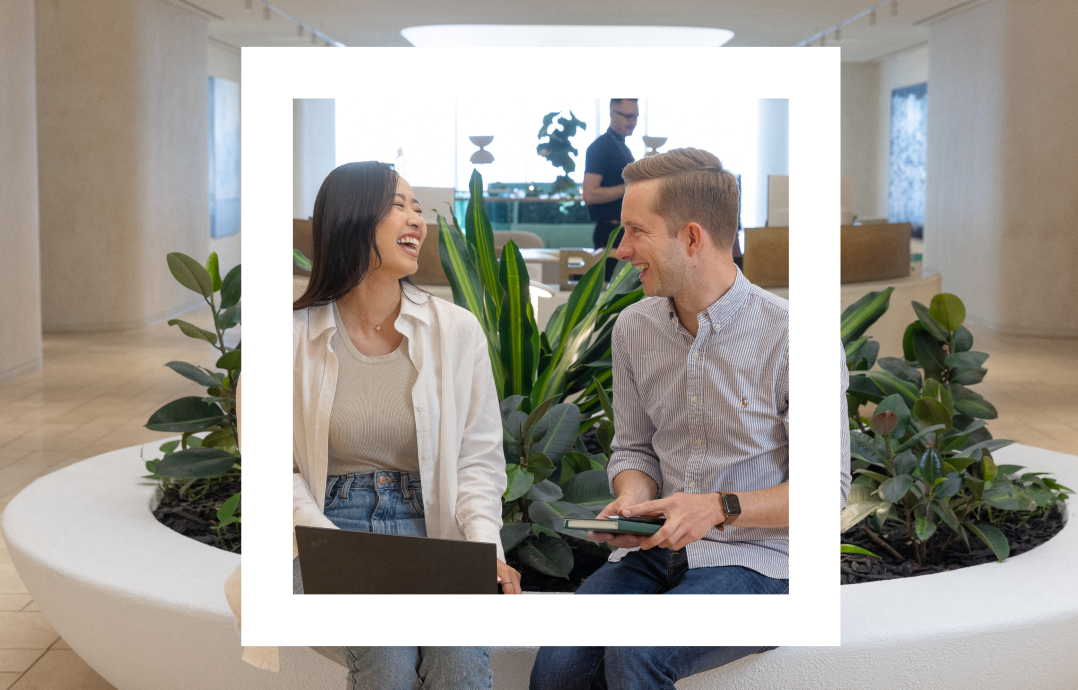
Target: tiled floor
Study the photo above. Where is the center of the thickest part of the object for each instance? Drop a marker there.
(96, 391)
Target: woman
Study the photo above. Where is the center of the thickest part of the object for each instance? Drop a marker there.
(396, 426)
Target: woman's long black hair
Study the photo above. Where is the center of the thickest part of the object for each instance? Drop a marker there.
(352, 200)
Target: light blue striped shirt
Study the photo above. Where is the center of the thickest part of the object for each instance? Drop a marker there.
(711, 413)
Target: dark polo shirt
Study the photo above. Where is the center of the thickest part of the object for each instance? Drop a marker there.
(607, 156)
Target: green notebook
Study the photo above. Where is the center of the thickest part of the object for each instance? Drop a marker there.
(617, 525)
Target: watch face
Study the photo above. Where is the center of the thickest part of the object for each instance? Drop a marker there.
(730, 504)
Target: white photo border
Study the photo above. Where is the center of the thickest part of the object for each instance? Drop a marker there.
(428, 78)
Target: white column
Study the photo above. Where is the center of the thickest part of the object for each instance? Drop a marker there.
(314, 150)
(1002, 205)
(773, 152)
(122, 128)
(20, 261)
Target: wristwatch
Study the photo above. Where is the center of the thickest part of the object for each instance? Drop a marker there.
(731, 507)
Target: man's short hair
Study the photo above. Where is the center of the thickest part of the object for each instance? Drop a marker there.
(694, 187)
(618, 101)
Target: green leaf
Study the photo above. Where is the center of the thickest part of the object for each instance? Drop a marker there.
(229, 318)
(963, 340)
(968, 377)
(168, 447)
(535, 416)
(931, 465)
(480, 238)
(905, 462)
(910, 442)
(226, 514)
(518, 482)
(993, 538)
(548, 555)
(196, 374)
(950, 486)
(229, 361)
(573, 463)
(607, 410)
(515, 324)
(924, 528)
(214, 271)
(510, 404)
(991, 446)
(895, 488)
(929, 353)
(231, 286)
(895, 404)
(859, 316)
(190, 274)
(853, 513)
(901, 369)
(907, 341)
(540, 466)
(864, 356)
(932, 326)
(892, 385)
(222, 438)
(590, 487)
(865, 388)
(850, 548)
(862, 447)
(562, 431)
(193, 331)
(605, 434)
(513, 533)
(966, 360)
(186, 414)
(948, 311)
(300, 260)
(545, 490)
(972, 404)
(196, 463)
(942, 507)
(932, 413)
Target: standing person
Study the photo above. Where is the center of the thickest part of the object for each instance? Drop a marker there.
(701, 412)
(603, 162)
(396, 427)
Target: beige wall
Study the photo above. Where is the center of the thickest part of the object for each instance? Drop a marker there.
(224, 62)
(122, 152)
(1002, 203)
(20, 265)
(903, 69)
(860, 134)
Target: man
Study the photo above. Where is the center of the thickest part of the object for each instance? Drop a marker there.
(603, 162)
(701, 411)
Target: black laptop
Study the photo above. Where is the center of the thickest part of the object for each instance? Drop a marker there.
(335, 561)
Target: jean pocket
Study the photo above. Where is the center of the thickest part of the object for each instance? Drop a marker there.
(415, 499)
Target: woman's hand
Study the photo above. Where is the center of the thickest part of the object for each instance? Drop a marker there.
(509, 578)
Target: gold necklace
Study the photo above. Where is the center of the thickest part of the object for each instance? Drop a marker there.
(377, 327)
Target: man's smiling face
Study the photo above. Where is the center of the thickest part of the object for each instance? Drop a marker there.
(648, 245)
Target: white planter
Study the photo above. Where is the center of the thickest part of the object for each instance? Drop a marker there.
(145, 607)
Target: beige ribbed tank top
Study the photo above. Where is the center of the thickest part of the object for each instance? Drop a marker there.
(372, 424)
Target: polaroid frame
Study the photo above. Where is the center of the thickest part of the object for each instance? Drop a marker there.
(423, 77)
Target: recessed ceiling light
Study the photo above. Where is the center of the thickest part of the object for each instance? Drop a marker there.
(557, 36)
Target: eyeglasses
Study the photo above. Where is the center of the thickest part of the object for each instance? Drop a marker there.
(627, 116)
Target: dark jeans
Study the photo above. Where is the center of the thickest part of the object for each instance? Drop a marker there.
(656, 571)
(599, 238)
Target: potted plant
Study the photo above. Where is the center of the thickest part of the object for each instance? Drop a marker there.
(926, 480)
(199, 474)
(558, 150)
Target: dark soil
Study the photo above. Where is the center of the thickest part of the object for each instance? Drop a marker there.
(1021, 536)
(591, 441)
(197, 518)
(585, 564)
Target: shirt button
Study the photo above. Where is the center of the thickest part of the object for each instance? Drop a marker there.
(692, 485)
(716, 327)
(694, 398)
(699, 441)
(696, 355)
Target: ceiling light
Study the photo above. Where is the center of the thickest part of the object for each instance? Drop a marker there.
(549, 36)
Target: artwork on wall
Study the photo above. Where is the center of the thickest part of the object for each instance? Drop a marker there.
(224, 102)
(909, 135)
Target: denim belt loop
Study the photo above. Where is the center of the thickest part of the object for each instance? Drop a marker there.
(330, 485)
(348, 479)
(404, 486)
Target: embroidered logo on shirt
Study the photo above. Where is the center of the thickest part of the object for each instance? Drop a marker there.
(744, 403)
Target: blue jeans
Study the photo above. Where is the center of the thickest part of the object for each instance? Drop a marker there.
(387, 502)
(655, 571)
